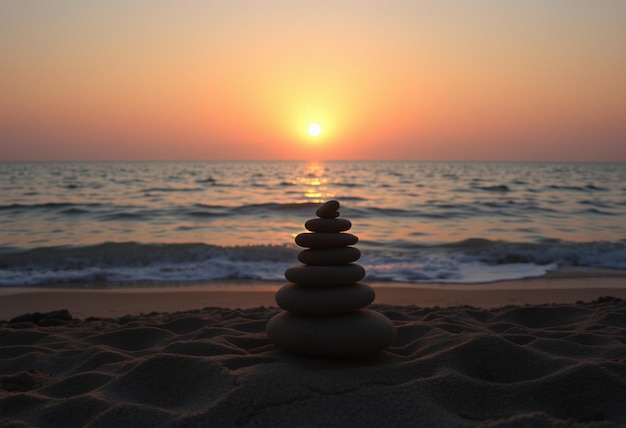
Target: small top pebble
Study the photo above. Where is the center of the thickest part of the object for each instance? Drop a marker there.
(328, 209)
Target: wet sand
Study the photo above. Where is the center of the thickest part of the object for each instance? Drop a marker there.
(173, 297)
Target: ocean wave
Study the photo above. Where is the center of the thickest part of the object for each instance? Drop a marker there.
(595, 211)
(601, 254)
(254, 209)
(496, 188)
(208, 180)
(125, 216)
(479, 260)
(46, 206)
(347, 184)
(136, 262)
(172, 189)
(587, 188)
(74, 211)
(474, 260)
(113, 212)
(355, 207)
(205, 214)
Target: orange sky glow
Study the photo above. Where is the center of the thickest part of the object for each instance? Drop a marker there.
(446, 80)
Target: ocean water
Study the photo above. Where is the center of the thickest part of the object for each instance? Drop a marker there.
(444, 222)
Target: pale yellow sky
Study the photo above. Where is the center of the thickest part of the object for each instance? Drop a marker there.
(480, 80)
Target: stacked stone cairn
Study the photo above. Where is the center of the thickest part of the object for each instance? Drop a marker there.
(324, 301)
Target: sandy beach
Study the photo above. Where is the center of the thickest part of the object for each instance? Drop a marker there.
(519, 355)
(568, 287)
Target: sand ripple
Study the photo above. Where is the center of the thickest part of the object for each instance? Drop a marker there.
(549, 365)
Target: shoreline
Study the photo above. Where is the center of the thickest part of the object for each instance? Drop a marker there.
(145, 297)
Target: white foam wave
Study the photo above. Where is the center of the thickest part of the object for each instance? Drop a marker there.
(470, 261)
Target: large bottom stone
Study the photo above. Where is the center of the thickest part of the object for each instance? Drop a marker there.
(361, 333)
(337, 299)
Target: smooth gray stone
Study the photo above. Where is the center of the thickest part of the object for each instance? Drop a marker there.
(328, 225)
(306, 300)
(323, 276)
(329, 256)
(328, 209)
(357, 334)
(325, 240)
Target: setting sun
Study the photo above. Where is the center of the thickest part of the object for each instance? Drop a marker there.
(314, 129)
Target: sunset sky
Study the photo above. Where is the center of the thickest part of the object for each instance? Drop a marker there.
(425, 80)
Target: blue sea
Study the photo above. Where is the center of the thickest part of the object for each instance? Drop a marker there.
(124, 223)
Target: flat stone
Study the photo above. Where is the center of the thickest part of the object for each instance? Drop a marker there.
(329, 256)
(325, 240)
(322, 276)
(328, 209)
(328, 225)
(306, 300)
(357, 334)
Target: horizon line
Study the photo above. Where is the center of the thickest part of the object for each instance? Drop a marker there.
(307, 160)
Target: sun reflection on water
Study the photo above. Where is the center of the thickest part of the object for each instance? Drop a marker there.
(315, 182)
